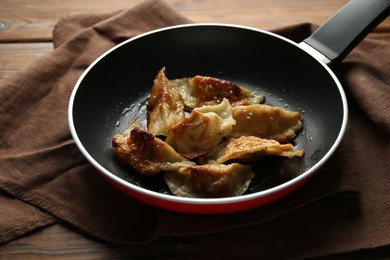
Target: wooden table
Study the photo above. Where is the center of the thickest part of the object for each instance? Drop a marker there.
(26, 33)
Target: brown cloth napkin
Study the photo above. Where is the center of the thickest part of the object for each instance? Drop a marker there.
(44, 179)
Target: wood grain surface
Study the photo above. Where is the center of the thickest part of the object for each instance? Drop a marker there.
(33, 21)
(26, 33)
(26, 26)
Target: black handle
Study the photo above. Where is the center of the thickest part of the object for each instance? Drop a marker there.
(344, 30)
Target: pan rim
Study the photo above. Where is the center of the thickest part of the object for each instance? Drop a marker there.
(208, 201)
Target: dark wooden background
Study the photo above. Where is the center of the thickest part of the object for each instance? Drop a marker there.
(26, 33)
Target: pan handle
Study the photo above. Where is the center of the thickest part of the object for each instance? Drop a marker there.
(345, 29)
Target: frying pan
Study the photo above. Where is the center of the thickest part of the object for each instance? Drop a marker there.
(114, 89)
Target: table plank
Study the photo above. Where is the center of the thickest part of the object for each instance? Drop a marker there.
(26, 33)
(62, 242)
(16, 56)
(33, 21)
(26, 27)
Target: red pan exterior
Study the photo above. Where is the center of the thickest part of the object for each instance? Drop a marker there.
(290, 74)
(205, 208)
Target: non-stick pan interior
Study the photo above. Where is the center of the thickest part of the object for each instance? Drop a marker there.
(115, 89)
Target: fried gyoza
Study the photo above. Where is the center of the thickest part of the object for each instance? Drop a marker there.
(204, 153)
(200, 91)
(266, 122)
(202, 130)
(165, 106)
(147, 154)
(211, 180)
(249, 149)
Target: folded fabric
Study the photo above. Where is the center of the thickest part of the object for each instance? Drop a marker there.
(44, 177)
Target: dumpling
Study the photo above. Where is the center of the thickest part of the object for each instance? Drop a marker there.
(266, 122)
(202, 130)
(210, 181)
(224, 111)
(165, 106)
(147, 154)
(248, 149)
(203, 133)
(199, 91)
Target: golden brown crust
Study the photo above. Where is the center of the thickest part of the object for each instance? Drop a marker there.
(196, 134)
(266, 122)
(226, 127)
(160, 86)
(147, 154)
(212, 180)
(202, 130)
(207, 91)
(165, 106)
(212, 90)
(251, 148)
